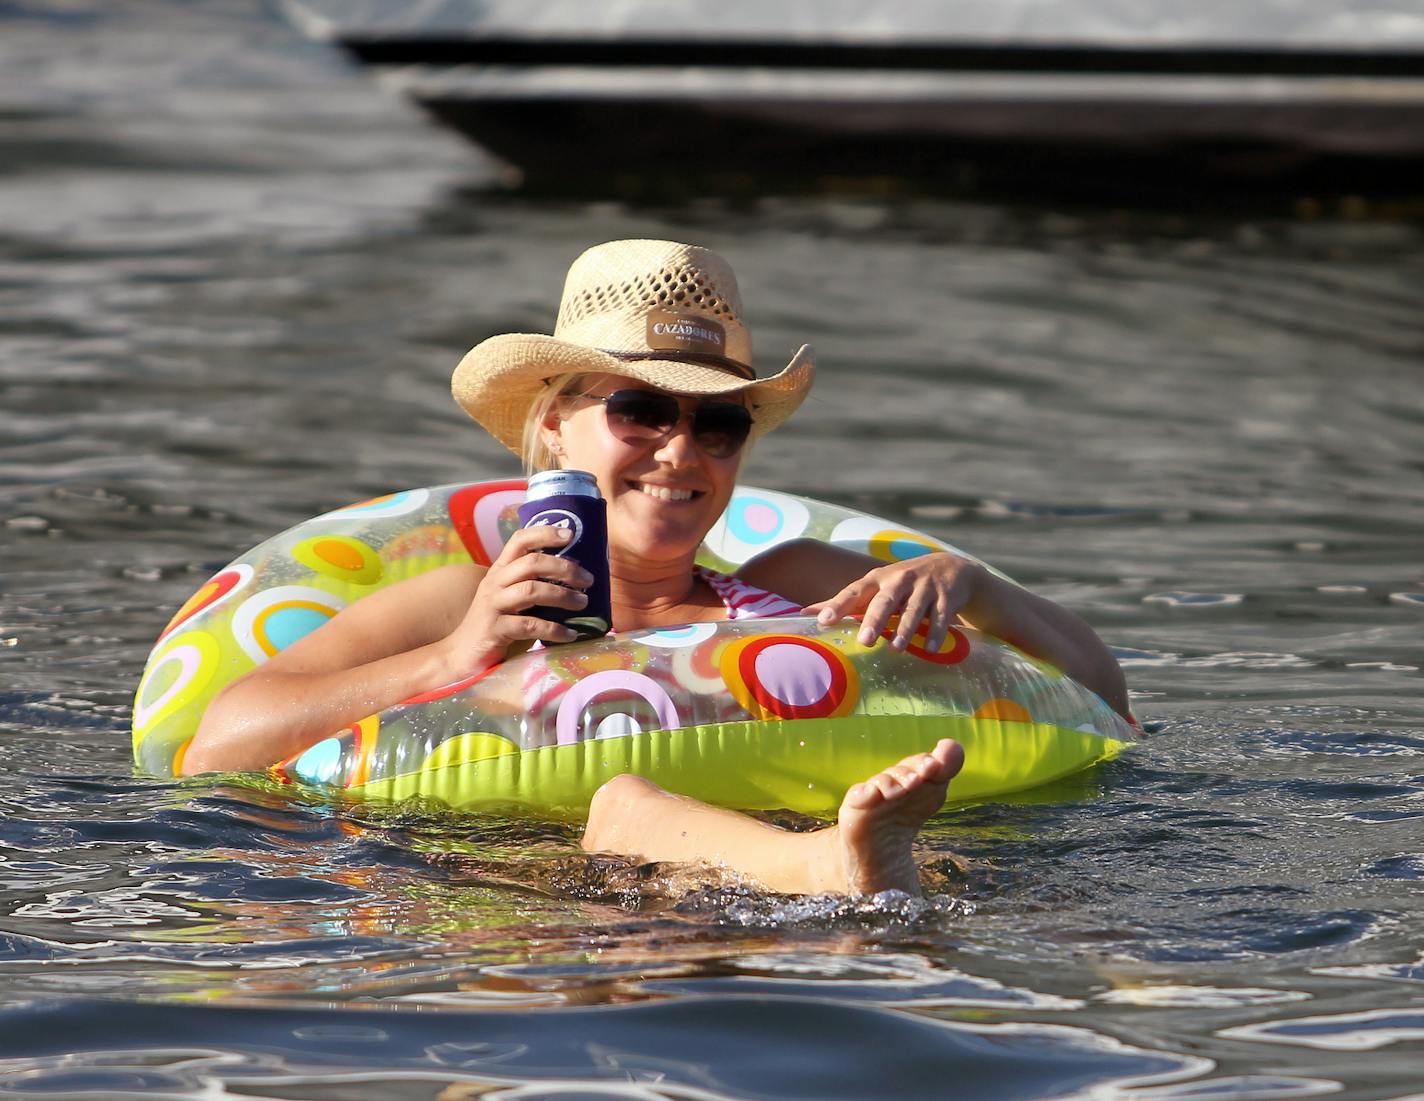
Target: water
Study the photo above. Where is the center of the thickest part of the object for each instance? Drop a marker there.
(234, 277)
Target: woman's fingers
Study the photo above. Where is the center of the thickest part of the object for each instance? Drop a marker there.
(877, 614)
(923, 592)
(536, 548)
(935, 609)
(534, 552)
(541, 567)
(528, 541)
(878, 596)
(844, 603)
(518, 628)
(529, 594)
(941, 619)
(526, 575)
(912, 614)
(539, 537)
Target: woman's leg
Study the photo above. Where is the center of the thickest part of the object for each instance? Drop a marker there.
(867, 850)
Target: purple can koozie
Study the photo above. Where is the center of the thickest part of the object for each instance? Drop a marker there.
(570, 499)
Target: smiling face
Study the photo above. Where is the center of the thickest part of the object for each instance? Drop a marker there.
(664, 494)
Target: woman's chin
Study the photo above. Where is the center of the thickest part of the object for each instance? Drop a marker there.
(673, 526)
(677, 549)
(663, 542)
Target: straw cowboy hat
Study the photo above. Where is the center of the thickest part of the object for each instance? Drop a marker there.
(664, 313)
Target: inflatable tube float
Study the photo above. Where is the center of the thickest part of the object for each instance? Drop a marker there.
(750, 714)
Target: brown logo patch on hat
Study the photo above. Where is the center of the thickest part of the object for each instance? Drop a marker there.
(689, 334)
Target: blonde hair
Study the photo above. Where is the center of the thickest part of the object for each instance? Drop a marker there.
(534, 450)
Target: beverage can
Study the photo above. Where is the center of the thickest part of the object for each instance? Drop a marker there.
(555, 483)
(570, 499)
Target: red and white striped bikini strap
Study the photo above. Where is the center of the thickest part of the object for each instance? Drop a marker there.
(744, 600)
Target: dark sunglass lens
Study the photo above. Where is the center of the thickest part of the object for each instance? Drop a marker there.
(721, 427)
(644, 411)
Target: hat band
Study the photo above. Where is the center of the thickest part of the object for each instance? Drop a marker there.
(741, 370)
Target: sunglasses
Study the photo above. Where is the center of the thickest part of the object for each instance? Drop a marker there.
(719, 428)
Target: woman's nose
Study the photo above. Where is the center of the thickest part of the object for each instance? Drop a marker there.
(678, 449)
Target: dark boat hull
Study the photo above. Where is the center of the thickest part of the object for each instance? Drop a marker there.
(568, 144)
(576, 106)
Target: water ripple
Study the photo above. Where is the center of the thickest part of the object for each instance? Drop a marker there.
(1375, 1028)
(1180, 599)
(1244, 1087)
(773, 1048)
(235, 280)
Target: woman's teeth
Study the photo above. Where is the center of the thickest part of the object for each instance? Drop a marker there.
(663, 493)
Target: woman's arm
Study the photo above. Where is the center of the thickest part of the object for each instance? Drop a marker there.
(429, 631)
(384, 648)
(937, 589)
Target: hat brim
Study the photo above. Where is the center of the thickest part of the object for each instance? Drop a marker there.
(498, 381)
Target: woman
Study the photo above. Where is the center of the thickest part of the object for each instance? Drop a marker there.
(647, 383)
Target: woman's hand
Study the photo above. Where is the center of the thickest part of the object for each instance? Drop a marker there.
(931, 586)
(523, 576)
(944, 588)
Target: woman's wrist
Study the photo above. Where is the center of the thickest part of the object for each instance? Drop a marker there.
(457, 659)
(984, 606)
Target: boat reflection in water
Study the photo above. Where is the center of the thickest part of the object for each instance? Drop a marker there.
(1325, 94)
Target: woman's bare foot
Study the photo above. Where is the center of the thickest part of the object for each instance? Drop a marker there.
(880, 817)
(868, 850)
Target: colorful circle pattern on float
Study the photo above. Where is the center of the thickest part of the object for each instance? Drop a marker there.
(754, 521)
(871, 536)
(677, 638)
(340, 557)
(475, 513)
(790, 677)
(217, 590)
(573, 664)
(319, 764)
(570, 721)
(953, 650)
(190, 660)
(698, 668)
(385, 507)
(344, 760)
(268, 622)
